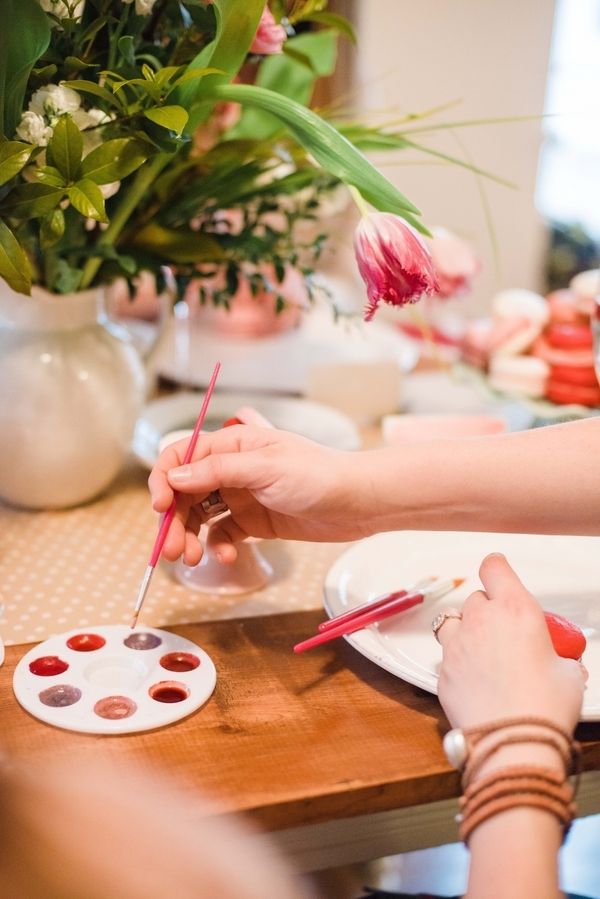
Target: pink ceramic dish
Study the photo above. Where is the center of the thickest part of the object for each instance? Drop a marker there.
(398, 429)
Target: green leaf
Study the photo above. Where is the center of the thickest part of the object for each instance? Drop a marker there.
(180, 245)
(287, 76)
(237, 24)
(173, 118)
(66, 148)
(126, 47)
(90, 87)
(87, 199)
(331, 149)
(52, 228)
(60, 276)
(32, 200)
(48, 174)
(24, 37)
(14, 264)
(194, 75)
(114, 160)
(14, 155)
(74, 64)
(333, 20)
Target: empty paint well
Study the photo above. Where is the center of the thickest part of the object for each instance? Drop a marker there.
(86, 642)
(141, 640)
(180, 661)
(48, 666)
(60, 695)
(169, 691)
(116, 672)
(113, 708)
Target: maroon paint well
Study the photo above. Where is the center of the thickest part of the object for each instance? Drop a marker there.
(169, 691)
(180, 661)
(140, 640)
(114, 708)
(47, 666)
(86, 642)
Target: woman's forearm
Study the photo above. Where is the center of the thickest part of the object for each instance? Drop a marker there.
(543, 481)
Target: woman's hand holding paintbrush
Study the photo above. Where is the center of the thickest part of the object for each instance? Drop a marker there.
(170, 513)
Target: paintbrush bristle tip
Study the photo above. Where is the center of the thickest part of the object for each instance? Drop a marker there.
(458, 581)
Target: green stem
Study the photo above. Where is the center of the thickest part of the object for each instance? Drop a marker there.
(358, 199)
(129, 203)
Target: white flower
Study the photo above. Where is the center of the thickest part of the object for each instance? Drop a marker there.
(63, 9)
(33, 129)
(53, 101)
(109, 190)
(142, 7)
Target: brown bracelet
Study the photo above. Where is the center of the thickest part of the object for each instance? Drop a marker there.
(564, 813)
(511, 787)
(515, 787)
(483, 729)
(514, 772)
(475, 762)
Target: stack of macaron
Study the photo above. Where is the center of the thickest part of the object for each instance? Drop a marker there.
(540, 347)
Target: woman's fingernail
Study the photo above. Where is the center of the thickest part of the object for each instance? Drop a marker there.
(181, 474)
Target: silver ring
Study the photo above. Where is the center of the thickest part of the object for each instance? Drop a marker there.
(214, 504)
(439, 621)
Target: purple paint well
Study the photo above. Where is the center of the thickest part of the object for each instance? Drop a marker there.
(141, 640)
(86, 642)
(114, 708)
(60, 695)
(169, 691)
(180, 661)
(48, 666)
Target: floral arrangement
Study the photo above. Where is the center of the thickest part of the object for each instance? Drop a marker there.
(142, 133)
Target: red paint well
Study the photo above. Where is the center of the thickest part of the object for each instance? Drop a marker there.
(47, 666)
(180, 661)
(86, 642)
(169, 691)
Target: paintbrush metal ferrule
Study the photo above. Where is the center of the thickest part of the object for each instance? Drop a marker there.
(142, 594)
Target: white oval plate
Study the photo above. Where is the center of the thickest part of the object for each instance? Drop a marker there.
(562, 572)
(180, 411)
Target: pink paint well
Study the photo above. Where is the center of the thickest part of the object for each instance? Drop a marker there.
(86, 642)
(180, 661)
(169, 691)
(114, 708)
(47, 666)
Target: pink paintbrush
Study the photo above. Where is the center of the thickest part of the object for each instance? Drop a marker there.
(372, 617)
(373, 604)
(169, 515)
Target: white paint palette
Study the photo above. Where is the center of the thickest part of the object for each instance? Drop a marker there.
(114, 680)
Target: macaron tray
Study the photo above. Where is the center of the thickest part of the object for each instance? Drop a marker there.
(114, 680)
(540, 349)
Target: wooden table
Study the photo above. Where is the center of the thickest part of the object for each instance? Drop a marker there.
(340, 759)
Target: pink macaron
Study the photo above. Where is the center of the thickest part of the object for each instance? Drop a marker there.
(521, 375)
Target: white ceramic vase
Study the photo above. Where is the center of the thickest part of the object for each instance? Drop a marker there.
(71, 388)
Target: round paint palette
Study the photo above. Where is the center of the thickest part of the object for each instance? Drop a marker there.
(114, 680)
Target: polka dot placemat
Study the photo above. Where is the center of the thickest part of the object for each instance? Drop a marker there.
(70, 569)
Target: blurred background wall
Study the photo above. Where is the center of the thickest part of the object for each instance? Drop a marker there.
(489, 59)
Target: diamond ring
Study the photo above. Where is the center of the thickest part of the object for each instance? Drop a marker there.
(439, 620)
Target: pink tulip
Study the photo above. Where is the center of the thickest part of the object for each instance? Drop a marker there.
(455, 263)
(270, 36)
(393, 261)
